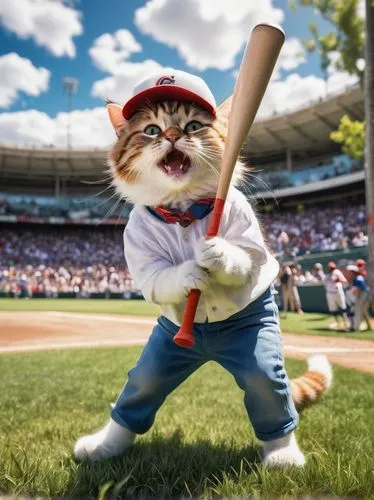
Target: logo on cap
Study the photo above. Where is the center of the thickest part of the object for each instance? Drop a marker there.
(166, 80)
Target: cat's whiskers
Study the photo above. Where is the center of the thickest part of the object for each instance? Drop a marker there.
(100, 181)
(110, 211)
(153, 186)
(191, 148)
(204, 162)
(206, 156)
(212, 147)
(97, 195)
(108, 199)
(267, 187)
(149, 177)
(249, 188)
(200, 160)
(259, 180)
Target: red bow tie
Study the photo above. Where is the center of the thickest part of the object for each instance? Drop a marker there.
(198, 210)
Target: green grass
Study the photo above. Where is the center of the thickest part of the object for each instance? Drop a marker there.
(113, 306)
(201, 444)
(309, 323)
(318, 324)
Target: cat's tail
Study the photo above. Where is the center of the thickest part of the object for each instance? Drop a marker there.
(310, 386)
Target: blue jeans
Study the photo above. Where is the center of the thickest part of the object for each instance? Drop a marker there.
(248, 344)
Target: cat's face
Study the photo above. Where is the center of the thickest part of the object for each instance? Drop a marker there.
(168, 153)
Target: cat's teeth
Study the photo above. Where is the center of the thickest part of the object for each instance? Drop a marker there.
(181, 167)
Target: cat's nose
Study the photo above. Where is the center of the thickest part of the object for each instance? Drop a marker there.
(172, 134)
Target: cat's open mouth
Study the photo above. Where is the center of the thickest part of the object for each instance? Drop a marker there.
(175, 163)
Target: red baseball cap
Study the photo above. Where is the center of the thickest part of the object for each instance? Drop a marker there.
(170, 84)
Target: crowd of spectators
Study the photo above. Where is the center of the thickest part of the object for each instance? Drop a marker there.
(49, 260)
(292, 234)
(83, 260)
(52, 281)
(322, 171)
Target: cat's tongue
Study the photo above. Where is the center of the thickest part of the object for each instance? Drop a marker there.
(176, 163)
(174, 160)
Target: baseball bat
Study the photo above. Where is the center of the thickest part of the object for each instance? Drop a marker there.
(257, 65)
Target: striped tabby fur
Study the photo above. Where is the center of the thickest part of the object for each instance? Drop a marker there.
(134, 167)
(134, 158)
(310, 386)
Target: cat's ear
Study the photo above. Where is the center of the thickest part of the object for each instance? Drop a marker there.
(223, 110)
(115, 116)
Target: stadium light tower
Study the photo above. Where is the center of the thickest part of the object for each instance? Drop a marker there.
(70, 86)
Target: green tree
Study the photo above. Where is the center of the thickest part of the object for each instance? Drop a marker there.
(351, 134)
(342, 46)
(352, 39)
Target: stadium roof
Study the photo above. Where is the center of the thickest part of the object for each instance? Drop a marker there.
(305, 130)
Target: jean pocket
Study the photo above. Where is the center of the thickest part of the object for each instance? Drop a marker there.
(168, 326)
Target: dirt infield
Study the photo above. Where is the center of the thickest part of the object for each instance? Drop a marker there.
(28, 331)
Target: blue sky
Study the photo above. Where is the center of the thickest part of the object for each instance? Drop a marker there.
(164, 34)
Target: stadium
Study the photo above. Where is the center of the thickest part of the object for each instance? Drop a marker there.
(186, 340)
(57, 210)
(64, 346)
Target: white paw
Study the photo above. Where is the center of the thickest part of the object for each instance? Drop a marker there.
(193, 276)
(283, 452)
(284, 458)
(212, 253)
(229, 264)
(91, 448)
(110, 441)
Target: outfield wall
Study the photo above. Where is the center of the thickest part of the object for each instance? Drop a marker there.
(312, 297)
(341, 257)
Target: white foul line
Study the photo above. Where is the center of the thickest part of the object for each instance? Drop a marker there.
(71, 345)
(137, 342)
(118, 318)
(327, 349)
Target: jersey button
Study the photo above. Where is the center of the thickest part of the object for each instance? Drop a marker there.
(214, 308)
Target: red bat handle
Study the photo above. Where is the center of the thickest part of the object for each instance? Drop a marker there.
(185, 337)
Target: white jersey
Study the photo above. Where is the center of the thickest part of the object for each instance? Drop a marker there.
(152, 245)
(334, 282)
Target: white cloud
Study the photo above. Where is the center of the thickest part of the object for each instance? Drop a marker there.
(291, 55)
(119, 87)
(339, 80)
(20, 75)
(336, 78)
(109, 51)
(288, 94)
(206, 34)
(26, 127)
(51, 23)
(296, 91)
(90, 128)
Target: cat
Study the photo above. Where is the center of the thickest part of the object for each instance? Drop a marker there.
(166, 162)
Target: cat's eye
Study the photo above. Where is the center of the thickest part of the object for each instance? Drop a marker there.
(152, 130)
(193, 126)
